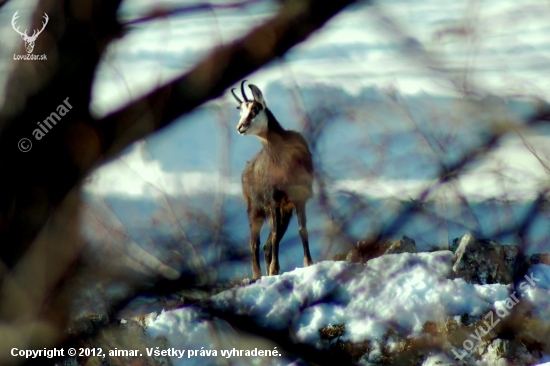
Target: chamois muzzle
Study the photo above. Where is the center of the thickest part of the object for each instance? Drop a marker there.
(242, 127)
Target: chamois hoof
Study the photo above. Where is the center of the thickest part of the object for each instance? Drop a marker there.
(273, 270)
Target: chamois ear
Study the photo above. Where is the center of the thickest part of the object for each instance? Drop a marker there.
(258, 97)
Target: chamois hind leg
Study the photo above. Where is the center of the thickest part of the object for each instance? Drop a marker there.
(302, 229)
(268, 252)
(256, 223)
(268, 246)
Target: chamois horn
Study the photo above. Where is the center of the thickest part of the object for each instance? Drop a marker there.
(243, 92)
(236, 97)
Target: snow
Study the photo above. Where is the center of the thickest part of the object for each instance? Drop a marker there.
(399, 292)
(538, 295)
(506, 46)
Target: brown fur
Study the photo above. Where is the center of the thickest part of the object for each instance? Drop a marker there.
(276, 182)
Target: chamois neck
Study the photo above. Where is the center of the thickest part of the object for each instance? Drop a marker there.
(273, 125)
(275, 132)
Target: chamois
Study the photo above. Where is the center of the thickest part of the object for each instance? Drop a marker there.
(277, 181)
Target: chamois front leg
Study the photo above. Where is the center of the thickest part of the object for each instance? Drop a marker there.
(302, 229)
(268, 253)
(281, 229)
(274, 222)
(256, 223)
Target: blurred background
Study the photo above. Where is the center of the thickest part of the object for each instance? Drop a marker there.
(388, 96)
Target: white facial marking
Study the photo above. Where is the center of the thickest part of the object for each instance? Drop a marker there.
(252, 123)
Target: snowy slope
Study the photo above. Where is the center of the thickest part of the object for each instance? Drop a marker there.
(393, 294)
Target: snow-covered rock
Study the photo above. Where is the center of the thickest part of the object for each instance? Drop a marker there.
(484, 261)
(506, 352)
(392, 302)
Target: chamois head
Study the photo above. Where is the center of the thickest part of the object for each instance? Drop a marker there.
(253, 119)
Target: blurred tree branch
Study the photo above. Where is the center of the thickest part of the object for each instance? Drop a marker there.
(164, 13)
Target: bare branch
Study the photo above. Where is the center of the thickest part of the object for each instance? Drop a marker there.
(163, 13)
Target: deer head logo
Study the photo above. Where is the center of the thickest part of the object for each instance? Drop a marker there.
(29, 41)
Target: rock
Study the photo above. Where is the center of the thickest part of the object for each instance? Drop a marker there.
(403, 245)
(455, 243)
(353, 256)
(507, 352)
(484, 261)
(367, 250)
(140, 320)
(87, 324)
(543, 258)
